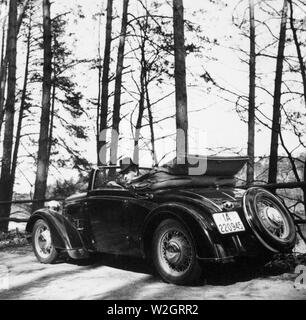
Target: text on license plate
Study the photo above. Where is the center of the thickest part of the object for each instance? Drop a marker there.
(228, 222)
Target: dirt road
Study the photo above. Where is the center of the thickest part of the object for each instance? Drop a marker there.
(109, 277)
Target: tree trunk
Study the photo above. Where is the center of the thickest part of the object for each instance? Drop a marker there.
(43, 159)
(105, 86)
(303, 73)
(298, 49)
(139, 123)
(3, 71)
(276, 124)
(5, 179)
(180, 80)
(21, 111)
(53, 96)
(52, 116)
(3, 77)
(2, 46)
(143, 76)
(99, 93)
(118, 84)
(151, 124)
(304, 189)
(252, 106)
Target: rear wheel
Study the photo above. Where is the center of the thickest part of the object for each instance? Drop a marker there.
(42, 244)
(174, 254)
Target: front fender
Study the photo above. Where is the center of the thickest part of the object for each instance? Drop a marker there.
(199, 228)
(64, 235)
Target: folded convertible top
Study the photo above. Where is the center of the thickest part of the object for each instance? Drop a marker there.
(215, 171)
(211, 166)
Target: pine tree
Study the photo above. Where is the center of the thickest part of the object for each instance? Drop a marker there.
(118, 84)
(105, 87)
(43, 159)
(252, 107)
(180, 80)
(5, 179)
(276, 122)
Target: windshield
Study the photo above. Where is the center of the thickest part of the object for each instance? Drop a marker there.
(102, 179)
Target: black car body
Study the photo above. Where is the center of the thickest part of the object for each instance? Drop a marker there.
(178, 224)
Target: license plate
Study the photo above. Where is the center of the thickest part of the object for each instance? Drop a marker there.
(228, 222)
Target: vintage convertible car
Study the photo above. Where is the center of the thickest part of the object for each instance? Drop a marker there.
(178, 221)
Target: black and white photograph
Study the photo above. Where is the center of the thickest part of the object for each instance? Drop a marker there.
(152, 150)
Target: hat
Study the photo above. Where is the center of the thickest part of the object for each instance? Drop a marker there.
(127, 164)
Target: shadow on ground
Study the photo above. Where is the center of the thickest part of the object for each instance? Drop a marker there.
(214, 273)
(242, 271)
(94, 278)
(117, 262)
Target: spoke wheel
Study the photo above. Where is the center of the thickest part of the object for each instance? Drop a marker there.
(174, 254)
(42, 242)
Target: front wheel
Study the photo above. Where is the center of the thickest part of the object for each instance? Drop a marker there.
(174, 254)
(42, 244)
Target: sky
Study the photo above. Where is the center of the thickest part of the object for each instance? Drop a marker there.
(213, 121)
(218, 120)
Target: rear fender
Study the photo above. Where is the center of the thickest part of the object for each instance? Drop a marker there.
(195, 223)
(64, 235)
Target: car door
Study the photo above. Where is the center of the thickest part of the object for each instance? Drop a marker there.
(107, 212)
(136, 211)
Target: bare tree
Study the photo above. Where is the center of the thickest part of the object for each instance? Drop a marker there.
(3, 71)
(4, 63)
(43, 159)
(105, 85)
(298, 48)
(302, 69)
(276, 122)
(99, 66)
(3, 77)
(142, 86)
(252, 106)
(5, 179)
(2, 46)
(22, 108)
(180, 78)
(53, 97)
(118, 84)
(151, 124)
(141, 109)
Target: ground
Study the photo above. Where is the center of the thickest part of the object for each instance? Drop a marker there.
(111, 277)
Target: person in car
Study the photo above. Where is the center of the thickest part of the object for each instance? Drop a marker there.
(129, 172)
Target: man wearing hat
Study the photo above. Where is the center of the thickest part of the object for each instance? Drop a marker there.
(129, 171)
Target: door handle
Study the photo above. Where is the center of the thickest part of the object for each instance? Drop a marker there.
(125, 204)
